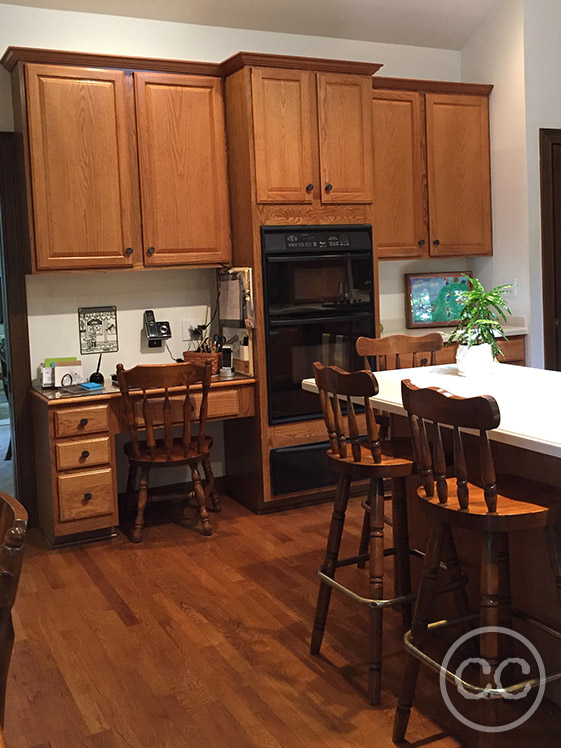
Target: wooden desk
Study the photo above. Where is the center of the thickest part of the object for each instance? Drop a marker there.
(75, 453)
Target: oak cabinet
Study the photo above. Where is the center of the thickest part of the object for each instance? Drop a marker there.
(311, 136)
(81, 168)
(182, 152)
(432, 193)
(126, 169)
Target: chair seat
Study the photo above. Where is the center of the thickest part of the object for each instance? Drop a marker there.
(178, 455)
(522, 504)
(391, 465)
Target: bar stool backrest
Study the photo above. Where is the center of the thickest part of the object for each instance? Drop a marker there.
(335, 384)
(441, 408)
(388, 351)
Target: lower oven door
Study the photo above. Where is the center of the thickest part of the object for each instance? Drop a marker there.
(292, 348)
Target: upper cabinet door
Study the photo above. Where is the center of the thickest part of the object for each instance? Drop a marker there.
(282, 135)
(182, 150)
(400, 206)
(344, 117)
(85, 208)
(458, 174)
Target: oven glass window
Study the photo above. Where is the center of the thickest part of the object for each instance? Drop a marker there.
(327, 285)
(292, 350)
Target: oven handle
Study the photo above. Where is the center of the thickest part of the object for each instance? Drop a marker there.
(317, 320)
(305, 258)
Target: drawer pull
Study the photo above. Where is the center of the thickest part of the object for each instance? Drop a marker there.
(328, 187)
(87, 496)
(85, 454)
(83, 421)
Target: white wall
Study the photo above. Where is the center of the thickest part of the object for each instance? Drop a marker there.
(496, 54)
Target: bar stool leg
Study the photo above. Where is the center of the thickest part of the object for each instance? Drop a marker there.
(142, 499)
(364, 538)
(450, 558)
(376, 589)
(330, 560)
(419, 630)
(505, 608)
(401, 540)
(489, 640)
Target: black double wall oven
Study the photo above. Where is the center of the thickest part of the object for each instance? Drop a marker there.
(319, 298)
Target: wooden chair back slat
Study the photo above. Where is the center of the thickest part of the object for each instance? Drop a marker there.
(444, 409)
(389, 350)
(333, 384)
(156, 383)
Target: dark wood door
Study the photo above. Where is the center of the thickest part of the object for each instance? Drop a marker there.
(550, 168)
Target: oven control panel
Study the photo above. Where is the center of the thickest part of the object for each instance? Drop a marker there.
(316, 241)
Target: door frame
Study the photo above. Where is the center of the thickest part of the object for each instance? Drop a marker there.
(15, 324)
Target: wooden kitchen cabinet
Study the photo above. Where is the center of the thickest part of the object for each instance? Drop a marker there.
(311, 136)
(182, 151)
(432, 193)
(124, 168)
(82, 168)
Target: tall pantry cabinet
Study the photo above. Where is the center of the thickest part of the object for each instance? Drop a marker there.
(299, 153)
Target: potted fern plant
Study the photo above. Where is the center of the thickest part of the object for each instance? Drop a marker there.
(479, 327)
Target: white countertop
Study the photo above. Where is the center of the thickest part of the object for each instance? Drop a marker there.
(529, 399)
(445, 331)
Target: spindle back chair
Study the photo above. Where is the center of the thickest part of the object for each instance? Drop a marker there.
(13, 528)
(356, 456)
(449, 499)
(388, 351)
(151, 396)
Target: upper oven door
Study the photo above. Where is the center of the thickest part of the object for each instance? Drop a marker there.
(324, 283)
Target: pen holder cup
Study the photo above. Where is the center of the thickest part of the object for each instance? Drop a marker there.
(215, 359)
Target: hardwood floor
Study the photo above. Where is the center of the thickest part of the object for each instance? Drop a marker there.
(192, 641)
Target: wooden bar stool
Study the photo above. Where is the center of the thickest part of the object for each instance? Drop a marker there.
(391, 352)
(356, 457)
(450, 502)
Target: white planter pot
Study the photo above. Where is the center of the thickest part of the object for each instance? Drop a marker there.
(475, 359)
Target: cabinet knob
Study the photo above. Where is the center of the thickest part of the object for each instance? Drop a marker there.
(436, 242)
(328, 187)
(87, 496)
(128, 251)
(85, 454)
(424, 362)
(309, 187)
(421, 242)
(83, 421)
(151, 250)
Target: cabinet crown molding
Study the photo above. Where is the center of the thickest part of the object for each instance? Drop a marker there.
(428, 86)
(318, 65)
(13, 55)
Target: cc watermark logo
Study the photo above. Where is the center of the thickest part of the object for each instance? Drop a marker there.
(493, 689)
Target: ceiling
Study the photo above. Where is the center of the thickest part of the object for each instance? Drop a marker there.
(445, 24)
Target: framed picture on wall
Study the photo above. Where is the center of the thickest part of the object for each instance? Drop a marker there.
(434, 299)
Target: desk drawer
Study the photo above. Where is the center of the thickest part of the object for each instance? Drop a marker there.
(83, 453)
(76, 421)
(85, 494)
(221, 404)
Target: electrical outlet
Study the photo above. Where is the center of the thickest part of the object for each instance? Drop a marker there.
(189, 329)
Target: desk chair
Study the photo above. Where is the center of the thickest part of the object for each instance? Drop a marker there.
(152, 412)
(356, 457)
(13, 526)
(449, 502)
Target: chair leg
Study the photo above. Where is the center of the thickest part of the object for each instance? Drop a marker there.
(376, 589)
(450, 558)
(401, 541)
(419, 629)
(489, 640)
(330, 560)
(364, 539)
(201, 499)
(213, 493)
(142, 499)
